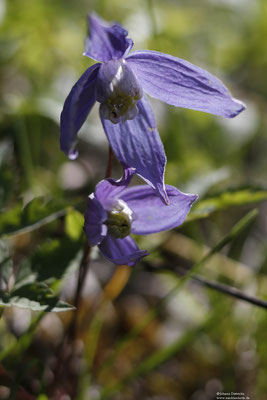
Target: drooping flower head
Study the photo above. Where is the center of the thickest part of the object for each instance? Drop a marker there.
(114, 211)
(118, 83)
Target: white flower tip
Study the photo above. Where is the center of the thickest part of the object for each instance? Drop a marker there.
(73, 154)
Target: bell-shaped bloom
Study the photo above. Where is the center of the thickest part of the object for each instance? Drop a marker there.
(114, 211)
(118, 83)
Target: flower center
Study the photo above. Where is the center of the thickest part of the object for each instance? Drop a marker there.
(119, 220)
(118, 91)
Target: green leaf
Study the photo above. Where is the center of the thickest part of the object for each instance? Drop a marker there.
(74, 223)
(53, 257)
(48, 264)
(235, 197)
(35, 296)
(36, 213)
(5, 263)
(25, 274)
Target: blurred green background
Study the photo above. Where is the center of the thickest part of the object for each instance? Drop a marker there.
(224, 161)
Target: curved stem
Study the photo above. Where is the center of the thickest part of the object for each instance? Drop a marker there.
(83, 269)
(110, 163)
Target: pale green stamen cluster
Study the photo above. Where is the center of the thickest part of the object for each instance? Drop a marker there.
(124, 92)
(120, 105)
(119, 220)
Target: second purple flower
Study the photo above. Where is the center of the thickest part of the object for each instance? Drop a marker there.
(114, 211)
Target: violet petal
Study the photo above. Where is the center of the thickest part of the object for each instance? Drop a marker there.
(108, 189)
(182, 84)
(95, 216)
(150, 215)
(121, 251)
(106, 41)
(137, 144)
(76, 108)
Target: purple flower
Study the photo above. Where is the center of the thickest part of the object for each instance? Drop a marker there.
(118, 83)
(115, 211)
